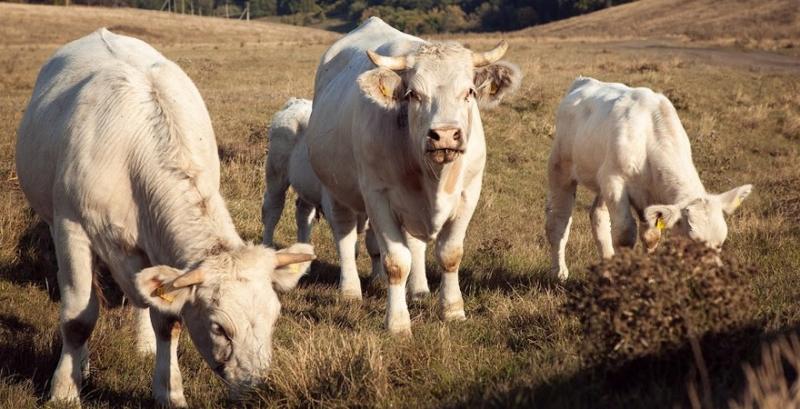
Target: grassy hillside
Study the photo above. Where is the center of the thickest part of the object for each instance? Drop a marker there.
(519, 347)
(771, 24)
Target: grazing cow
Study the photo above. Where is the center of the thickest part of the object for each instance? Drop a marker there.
(288, 165)
(628, 146)
(396, 134)
(117, 154)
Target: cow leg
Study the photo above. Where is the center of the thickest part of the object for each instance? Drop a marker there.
(560, 202)
(417, 281)
(378, 276)
(396, 259)
(450, 250)
(167, 380)
(343, 222)
(304, 216)
(623, 225)
(79, 307)
(145, 337)
(601, 227)
(274, 200)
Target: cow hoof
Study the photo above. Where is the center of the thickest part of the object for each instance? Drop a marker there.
(351, 295)
(61, 394)
(453, 315)
(401, 332)
(419, 296)
(173, 401)
(560, 273)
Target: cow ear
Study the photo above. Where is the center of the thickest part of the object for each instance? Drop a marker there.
(382, 86)
(298, 259)
(496, 81)
(733, 198)
(662, 216)
(658, 218)
(156, 286)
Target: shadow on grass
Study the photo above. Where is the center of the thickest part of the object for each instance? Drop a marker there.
(35, 261)
(652, 381)
(36, 264)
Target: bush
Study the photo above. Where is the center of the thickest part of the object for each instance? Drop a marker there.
(637, 305)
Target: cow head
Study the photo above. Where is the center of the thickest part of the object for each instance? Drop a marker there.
(700, 219)
(433, 89)
(228, 305)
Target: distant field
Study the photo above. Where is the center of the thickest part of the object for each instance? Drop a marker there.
(518, 347)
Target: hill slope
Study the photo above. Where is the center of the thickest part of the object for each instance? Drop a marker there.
(770, 24)
(57, 25)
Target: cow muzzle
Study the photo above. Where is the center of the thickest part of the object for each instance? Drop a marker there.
(444, 145)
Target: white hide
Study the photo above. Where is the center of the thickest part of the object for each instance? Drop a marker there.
(288, 165)
(117, 154)
(628, 146)
(404, 147)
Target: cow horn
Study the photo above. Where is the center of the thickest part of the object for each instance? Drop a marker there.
(284, 259)
(491, 56)
(392, 63)
(192, 277)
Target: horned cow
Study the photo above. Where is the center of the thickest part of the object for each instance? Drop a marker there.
(117, 154)
(395, 134)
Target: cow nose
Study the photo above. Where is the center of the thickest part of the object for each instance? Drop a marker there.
(445, 134)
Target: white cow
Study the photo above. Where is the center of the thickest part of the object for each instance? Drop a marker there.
(628, 146)
(288, 165)
(396, 134)
(117, 154)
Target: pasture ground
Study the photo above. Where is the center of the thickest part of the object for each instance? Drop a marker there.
(517, 347)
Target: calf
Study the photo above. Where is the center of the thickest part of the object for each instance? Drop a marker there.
(628, 146)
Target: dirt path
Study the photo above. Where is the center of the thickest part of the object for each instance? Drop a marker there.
(716, 55)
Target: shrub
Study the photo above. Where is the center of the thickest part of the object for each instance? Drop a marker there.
(636, 304)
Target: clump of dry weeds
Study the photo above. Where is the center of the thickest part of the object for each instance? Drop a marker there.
(334, 371)
(637, 305)
(774, 383)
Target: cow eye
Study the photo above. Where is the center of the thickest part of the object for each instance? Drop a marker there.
(411, 94)
(470, 93)
(218, 330)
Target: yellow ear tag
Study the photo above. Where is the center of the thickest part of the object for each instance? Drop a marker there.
(737, 202)
(660, 225)
(385, 91)
(160, 293)
(295, 268)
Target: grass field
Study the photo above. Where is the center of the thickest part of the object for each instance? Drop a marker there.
(518, 347)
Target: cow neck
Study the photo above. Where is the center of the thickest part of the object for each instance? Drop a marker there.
(183, 232)
(678, 184)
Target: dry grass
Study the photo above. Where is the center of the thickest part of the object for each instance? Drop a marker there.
(768, 25)
(517, 347)
(773, 384)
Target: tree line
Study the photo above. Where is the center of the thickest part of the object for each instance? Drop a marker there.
(412, 16)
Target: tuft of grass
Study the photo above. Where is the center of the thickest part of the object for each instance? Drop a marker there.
(774, 383)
